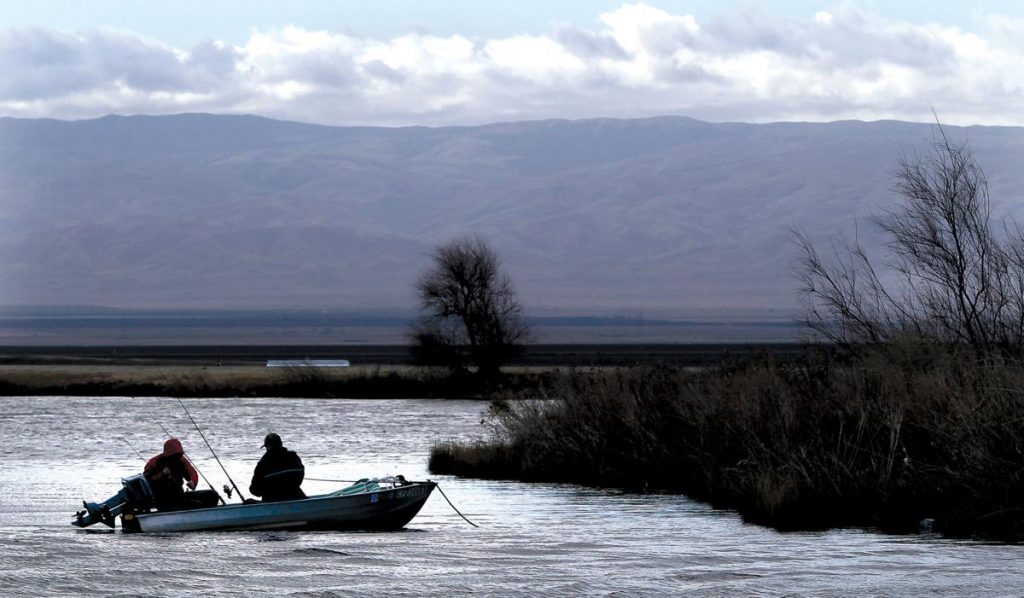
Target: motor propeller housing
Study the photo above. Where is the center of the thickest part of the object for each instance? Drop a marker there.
(135, 495)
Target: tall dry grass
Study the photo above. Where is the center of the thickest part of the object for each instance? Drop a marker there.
(885, 442)
(256, 381)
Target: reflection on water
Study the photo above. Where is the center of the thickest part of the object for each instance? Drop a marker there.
(552, 539)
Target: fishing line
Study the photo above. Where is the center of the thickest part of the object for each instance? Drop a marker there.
(163, 428)
(133, 448)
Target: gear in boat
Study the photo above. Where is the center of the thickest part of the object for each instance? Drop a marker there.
(385, 503)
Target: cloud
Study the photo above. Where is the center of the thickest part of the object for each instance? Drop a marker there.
(638, 60)
(39, 65)
(590, 45)
(72, 75)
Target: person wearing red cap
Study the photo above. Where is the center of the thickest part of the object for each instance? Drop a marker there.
(166, 472)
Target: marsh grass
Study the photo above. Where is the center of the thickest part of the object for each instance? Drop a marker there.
(884, 442)
(255, 381)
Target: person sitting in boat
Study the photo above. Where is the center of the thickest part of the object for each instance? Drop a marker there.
(166, 472)
(279, 473)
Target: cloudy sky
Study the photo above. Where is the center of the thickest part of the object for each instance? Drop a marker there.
(439, 62)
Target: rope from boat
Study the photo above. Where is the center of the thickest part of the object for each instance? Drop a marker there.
(453, 506)
(438, 486)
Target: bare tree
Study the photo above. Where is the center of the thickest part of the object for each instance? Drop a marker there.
(471, 312)
(949, 275)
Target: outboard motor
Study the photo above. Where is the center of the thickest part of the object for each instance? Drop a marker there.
(135, 495)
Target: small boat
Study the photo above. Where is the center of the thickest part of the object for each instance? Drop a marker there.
(377, 504)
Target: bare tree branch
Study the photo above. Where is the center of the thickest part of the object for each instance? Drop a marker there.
(959, 282)
(471, 312)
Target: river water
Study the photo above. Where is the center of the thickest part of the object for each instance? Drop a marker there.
(533, 539)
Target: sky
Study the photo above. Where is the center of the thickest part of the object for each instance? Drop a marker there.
(462, 62)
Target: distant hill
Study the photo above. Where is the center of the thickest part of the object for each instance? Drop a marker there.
(204, 211)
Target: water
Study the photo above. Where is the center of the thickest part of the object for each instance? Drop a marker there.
(532, 539)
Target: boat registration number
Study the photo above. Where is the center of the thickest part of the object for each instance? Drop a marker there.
(403, 493)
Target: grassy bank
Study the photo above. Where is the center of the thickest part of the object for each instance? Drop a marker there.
(886, 443)
(379, 371)
(373, 382)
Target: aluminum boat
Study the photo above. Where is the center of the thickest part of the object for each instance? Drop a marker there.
(387, 503)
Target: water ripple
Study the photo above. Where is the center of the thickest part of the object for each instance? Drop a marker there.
(534, 539)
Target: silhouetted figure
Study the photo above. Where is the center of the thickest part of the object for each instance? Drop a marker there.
(279, 473)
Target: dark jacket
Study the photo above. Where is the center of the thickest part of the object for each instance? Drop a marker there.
(278, 476)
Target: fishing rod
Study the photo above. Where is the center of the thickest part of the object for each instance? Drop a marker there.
(227, 490)
(196, 467)
(198, 429)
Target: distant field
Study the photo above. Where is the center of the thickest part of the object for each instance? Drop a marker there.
(103, 348)
(172, 376)
(370, 356)
(380, 371)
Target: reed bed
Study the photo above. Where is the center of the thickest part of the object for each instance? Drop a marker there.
(373, 382)
(898, 443)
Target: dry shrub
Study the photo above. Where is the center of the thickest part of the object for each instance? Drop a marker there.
(878, 443)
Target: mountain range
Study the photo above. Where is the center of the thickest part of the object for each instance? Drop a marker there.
(225, 211)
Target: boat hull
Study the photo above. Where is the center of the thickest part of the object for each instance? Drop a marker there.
(377, 510)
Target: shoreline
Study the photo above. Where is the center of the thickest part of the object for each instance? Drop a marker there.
(230, 381)
(564, 354)
(891, 443)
